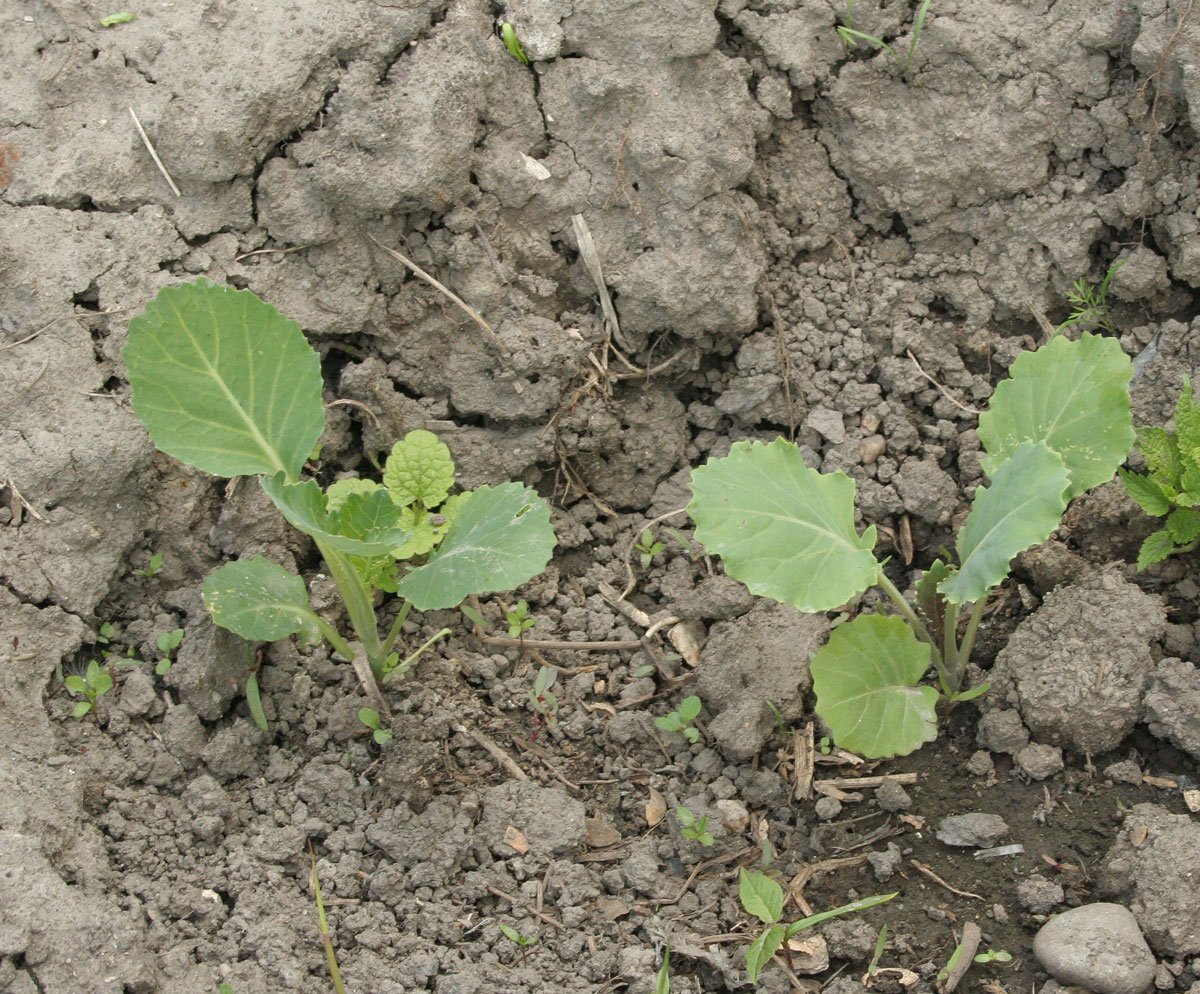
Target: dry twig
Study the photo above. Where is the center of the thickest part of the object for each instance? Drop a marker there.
(153, 154)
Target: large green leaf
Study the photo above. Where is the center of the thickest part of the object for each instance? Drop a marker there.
(258, 600)
(223, 382)
(784, 530)
(1021, 508)
(365, 524)
(419, 469)
(1074, 396)
(499, 538)
(865, 678)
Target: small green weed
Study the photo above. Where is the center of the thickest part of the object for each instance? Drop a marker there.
(647, 548)
(508, 35)
(152, 568)
(662, 979)
(851, 37)
(323, 927)
(542, 698)
(95, 682)
(522, 942)
(880, 945)
(518, 620)
(1089, 304)
(112, 20)
(994, 956)
(681, 720)
(691, 827)
(167, 643)
(370, 718)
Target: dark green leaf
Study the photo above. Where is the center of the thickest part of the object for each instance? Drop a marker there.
(1184, 525)
(254, 702)
(366, 524)
(1148, 494)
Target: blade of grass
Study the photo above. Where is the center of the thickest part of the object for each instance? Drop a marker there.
(323, 927)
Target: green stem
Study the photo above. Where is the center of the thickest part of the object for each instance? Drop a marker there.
(394, 633)
(359, 605)
(968, 642)
(331, 634)
(950, 651)
(914, 622)
(402, 667)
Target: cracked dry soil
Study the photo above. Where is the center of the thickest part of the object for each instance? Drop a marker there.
(798, 239)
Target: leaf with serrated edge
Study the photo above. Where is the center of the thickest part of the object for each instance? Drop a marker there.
(1074, 396)
(1155, 549)
(760, 951)
(500, 538)
(1162, 455)
(419, 468)
(223, 382)
(258, 600)
(1146, 492)
(1184, 525)
(784, 530)
(760, 895)
(865, 678)
(367, 524)
(337, 492)
(1021, 508)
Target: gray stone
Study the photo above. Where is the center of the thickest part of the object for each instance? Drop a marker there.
(552, 821)
(885, 863)
(980, 764)
(210, 669)
(1002, 731)
(1039, 895)
(1039, 762)
(137, 694)
(973, 829)
(715, 598)
(1097, 946)
(1172, 705)
(1126, 771)
(928, 491)
(827, 808)
(890, 796)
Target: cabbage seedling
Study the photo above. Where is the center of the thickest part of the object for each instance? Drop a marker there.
(1057, 428)
(225, 383)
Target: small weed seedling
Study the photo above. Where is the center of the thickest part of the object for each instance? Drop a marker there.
(112, 20)
(518, 620)
(880, 945)
(993, 956)
(323, 927)
(1171, 489)
(508, 35)
(681, 720)
(167, 643)
(522, 942)
(224, 383)
(1059, 426)
(95, 682)
(662, 979)
(691, 827)
(545, 704)
(1089, 304)
(647, 548)
(370, 718)
(763, 897)
(152, 567)
(850, 37)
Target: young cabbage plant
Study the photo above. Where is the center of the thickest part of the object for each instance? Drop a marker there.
(225, 383)
(1059, 426)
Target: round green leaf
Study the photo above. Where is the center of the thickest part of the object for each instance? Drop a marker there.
(419, 468)
(1021, 508)
(223, 382)
(499, 538)
(258, 600)
(865, 678)
(1074, 396)
(784, 530)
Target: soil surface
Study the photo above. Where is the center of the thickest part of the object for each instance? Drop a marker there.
(798, 238)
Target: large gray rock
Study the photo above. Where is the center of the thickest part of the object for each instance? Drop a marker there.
(1076, 670)
(1096, 946)
(1172, 705)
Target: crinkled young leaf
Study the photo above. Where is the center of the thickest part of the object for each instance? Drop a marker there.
(1162, 455)
(760, 951)
(422, 535)
(224, 382)
(865, 678)
(1021, 508)
(419, 469)
(337, 492)
(366, 524)
(929, 602)
(760, 895)
(1187, 426)
(784, 530)
(499, 538)
(1155, 549)
(258, 600)
(1184, 525)
(1148, 494)
(1074, 397)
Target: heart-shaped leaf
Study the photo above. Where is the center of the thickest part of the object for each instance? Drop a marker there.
(224, 382)
(865, 678)
(365, 524)
(258, 600)
(784, 530)
(499, 538)
(1021, 508)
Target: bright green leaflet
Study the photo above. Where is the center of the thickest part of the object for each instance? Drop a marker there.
(1074, 396)
(1021, 508)
(865, 678)
(419, 469)
(1148, 494)
(337, 492)
(760, 895)
(760, 951)
(499, 538)
(223, 382)
(258, 600)
(124, 17)
(508, 34)
(366, 524)
(784, 530)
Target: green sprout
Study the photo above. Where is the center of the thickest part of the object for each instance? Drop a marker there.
(93, 684)
(226, 384)
(1089, 304)
(647, 548)
(662, 979)
(850, 37)
(152, 568)
(994, 956)
(508, 34)
(518, 620)
(1057, 428)
(323, 927)
(167, 643)
(124, 17)
(544, 703)
(370, 718)
(880, 945)
(681, 720)
(522, 942)
(762, 897)
(691, 827)
(1171, 489)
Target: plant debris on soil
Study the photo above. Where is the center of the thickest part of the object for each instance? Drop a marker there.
(681, 225)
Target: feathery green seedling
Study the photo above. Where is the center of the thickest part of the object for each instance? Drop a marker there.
(647, 547)
(681, 719)
(95, 682)
(152, 568)
(1089, 304)
(1059, 426)
(518, 620)
(763, 897)
(370, 718)
(850, 37)
(224, 383)
(691, 827)
(1171, 489)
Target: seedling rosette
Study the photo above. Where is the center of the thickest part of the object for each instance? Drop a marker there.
(225, 383)
(1057, 428)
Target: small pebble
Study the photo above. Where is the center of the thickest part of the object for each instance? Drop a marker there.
(974, 829)
(1039, 895)
(827, 808)
(885, 863)
(892, 797)
(1039, 762)
(734, 815)
(980, 764)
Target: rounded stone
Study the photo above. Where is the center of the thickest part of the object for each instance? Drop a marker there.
(1096, 946)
